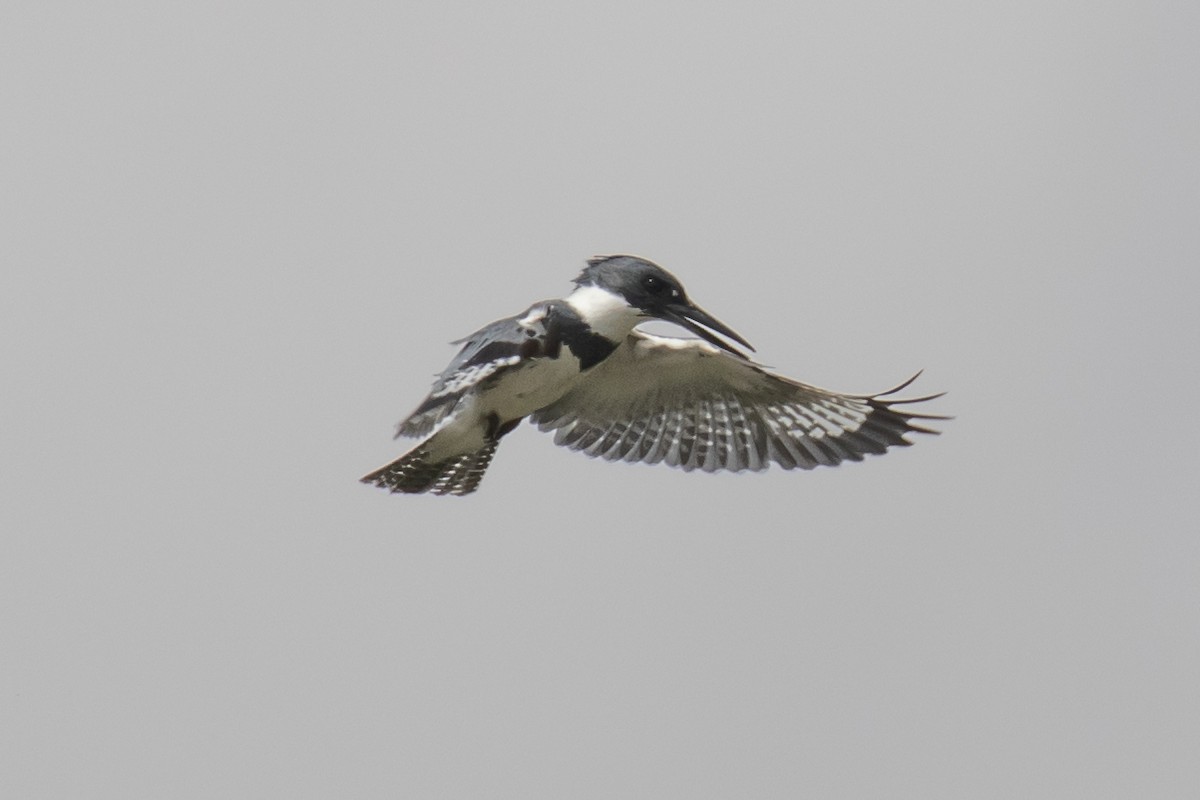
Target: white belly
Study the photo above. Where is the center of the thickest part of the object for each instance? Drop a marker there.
(517, 393)
(534, 385)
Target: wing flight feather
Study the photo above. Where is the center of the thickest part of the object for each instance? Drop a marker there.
(693, 406)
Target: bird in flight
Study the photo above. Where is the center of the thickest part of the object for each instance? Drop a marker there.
(578, 367)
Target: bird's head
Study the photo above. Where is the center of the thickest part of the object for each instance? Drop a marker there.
(656, 294)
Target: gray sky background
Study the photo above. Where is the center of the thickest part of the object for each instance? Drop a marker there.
(237, 237)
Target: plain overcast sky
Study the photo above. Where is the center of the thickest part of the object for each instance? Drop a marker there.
(237, 237)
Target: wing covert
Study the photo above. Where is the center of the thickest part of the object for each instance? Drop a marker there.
(486, 352)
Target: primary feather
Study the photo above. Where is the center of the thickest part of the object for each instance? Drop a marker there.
(691, 405)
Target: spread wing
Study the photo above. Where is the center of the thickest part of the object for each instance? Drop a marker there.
(694, 406)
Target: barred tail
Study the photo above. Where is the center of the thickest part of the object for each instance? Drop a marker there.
(414, 473)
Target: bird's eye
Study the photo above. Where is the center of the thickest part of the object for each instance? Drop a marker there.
(654, 285)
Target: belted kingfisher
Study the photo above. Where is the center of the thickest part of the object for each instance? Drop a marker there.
(577, 366)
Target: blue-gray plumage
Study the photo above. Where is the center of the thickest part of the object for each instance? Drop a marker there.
(578, 367)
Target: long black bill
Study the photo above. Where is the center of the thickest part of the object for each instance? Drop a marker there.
(693, 317)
